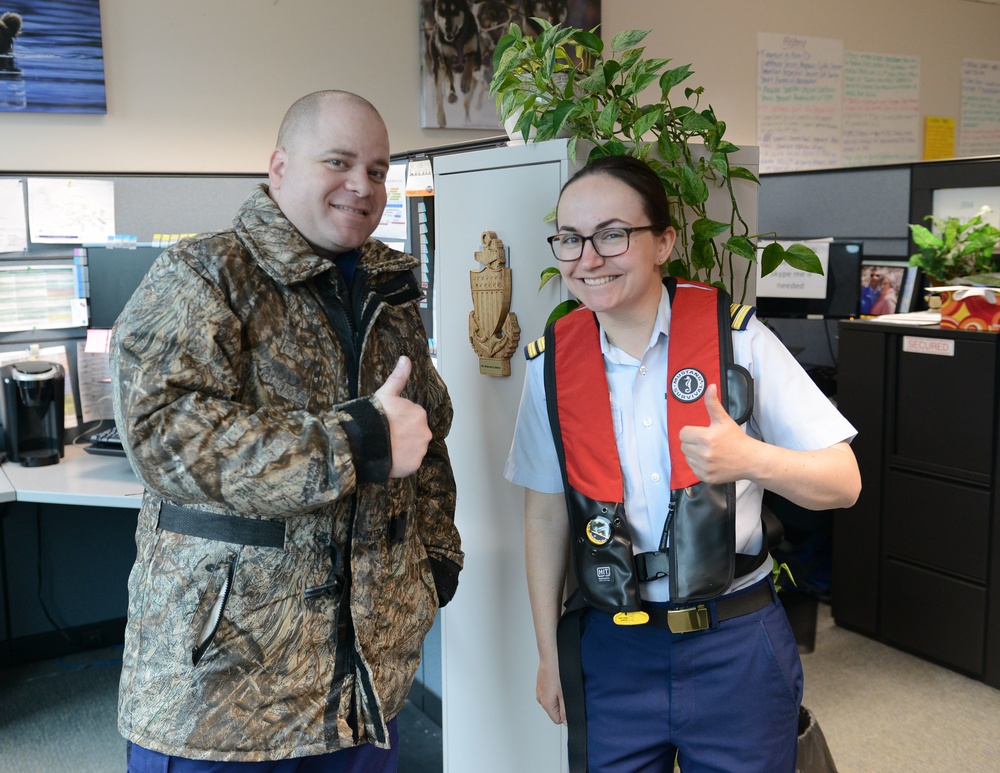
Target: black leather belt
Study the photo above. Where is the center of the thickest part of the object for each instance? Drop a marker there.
(699, 617)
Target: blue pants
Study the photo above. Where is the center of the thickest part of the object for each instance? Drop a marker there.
(724, 699)
(358, 759)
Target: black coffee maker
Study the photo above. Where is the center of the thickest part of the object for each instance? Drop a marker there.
(33, 408)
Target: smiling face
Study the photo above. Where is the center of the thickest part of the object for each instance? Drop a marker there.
(328, 173)
(624, 287)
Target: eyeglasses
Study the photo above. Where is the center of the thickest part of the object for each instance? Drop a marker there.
(608, 243)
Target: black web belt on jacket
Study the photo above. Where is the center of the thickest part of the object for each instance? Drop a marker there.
(258, 532)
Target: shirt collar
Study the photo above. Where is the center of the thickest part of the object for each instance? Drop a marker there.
(661, 331)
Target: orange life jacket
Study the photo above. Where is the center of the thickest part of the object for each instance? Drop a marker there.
(701, 527)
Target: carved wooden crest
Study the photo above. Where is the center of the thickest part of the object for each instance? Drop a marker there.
(493, 329)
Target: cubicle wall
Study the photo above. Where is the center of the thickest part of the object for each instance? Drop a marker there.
(871, 204)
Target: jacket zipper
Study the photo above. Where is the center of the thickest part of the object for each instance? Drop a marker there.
(346, 333)
(207, 634)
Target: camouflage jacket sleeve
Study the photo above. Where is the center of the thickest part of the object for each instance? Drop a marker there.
(207, 417)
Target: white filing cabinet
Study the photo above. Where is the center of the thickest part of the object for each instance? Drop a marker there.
(491, 721)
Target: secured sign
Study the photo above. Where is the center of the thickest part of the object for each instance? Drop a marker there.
(944, 347)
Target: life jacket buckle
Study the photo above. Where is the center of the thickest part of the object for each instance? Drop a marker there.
(689, 619)
(631, 618)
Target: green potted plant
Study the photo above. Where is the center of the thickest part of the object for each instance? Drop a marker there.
(562, 83)
(951, 249)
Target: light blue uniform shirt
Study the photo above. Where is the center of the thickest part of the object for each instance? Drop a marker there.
(789, 410)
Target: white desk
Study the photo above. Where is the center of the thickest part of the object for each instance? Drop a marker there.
(7, 493)
(78, 479)
(91, 591)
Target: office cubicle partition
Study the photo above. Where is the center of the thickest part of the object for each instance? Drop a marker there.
(870, 204)
(875, 204)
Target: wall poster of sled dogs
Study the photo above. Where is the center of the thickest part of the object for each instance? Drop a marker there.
(51, 57)
(458, 39)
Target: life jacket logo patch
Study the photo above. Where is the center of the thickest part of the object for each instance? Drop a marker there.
(687, 385)
(603, 573)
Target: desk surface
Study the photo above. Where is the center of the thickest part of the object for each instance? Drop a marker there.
(78, 479)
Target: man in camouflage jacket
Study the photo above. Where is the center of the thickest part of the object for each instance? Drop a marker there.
(292, 548)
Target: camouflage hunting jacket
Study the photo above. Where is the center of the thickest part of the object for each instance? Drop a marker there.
(283, 584)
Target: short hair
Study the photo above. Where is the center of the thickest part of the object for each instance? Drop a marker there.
(304, 110)
(638, 176)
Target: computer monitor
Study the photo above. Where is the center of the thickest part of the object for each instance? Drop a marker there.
(42, 290)
(114, 274)
(835, 295)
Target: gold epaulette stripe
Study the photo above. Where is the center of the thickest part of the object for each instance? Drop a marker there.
(535, 348)
(740, 315)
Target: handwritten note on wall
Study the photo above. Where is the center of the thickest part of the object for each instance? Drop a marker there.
(980, 130)
(800, 92)
(881, 109)
(939, 137)
(819, 106)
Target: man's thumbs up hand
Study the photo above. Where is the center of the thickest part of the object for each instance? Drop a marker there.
(409, 434)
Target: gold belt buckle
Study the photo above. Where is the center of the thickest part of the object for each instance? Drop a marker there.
(688, 619)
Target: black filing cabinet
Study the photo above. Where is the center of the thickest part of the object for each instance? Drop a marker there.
(916, 562)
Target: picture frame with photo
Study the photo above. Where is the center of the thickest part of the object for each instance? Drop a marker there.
(888, 286)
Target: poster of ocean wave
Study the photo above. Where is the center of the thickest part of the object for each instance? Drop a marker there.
(51, 57)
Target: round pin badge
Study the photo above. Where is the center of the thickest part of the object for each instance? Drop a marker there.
(599, 530)
(687, 385)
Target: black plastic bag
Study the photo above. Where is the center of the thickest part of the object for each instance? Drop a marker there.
(814, 755)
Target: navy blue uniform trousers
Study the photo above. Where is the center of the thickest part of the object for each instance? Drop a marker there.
(358, 759)
(724, 700)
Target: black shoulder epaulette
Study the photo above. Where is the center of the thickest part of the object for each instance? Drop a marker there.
(740, 314)
(535, 348)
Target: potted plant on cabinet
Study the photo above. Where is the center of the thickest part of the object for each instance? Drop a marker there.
(958, 258)
(562, 84)
(951, 249)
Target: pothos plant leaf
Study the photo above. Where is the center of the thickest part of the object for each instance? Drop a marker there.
(772, 256)
(798, 256)
(804, 259)
(549, 273)
(561, 310)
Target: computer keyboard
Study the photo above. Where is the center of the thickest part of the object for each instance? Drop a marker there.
(107, 442)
